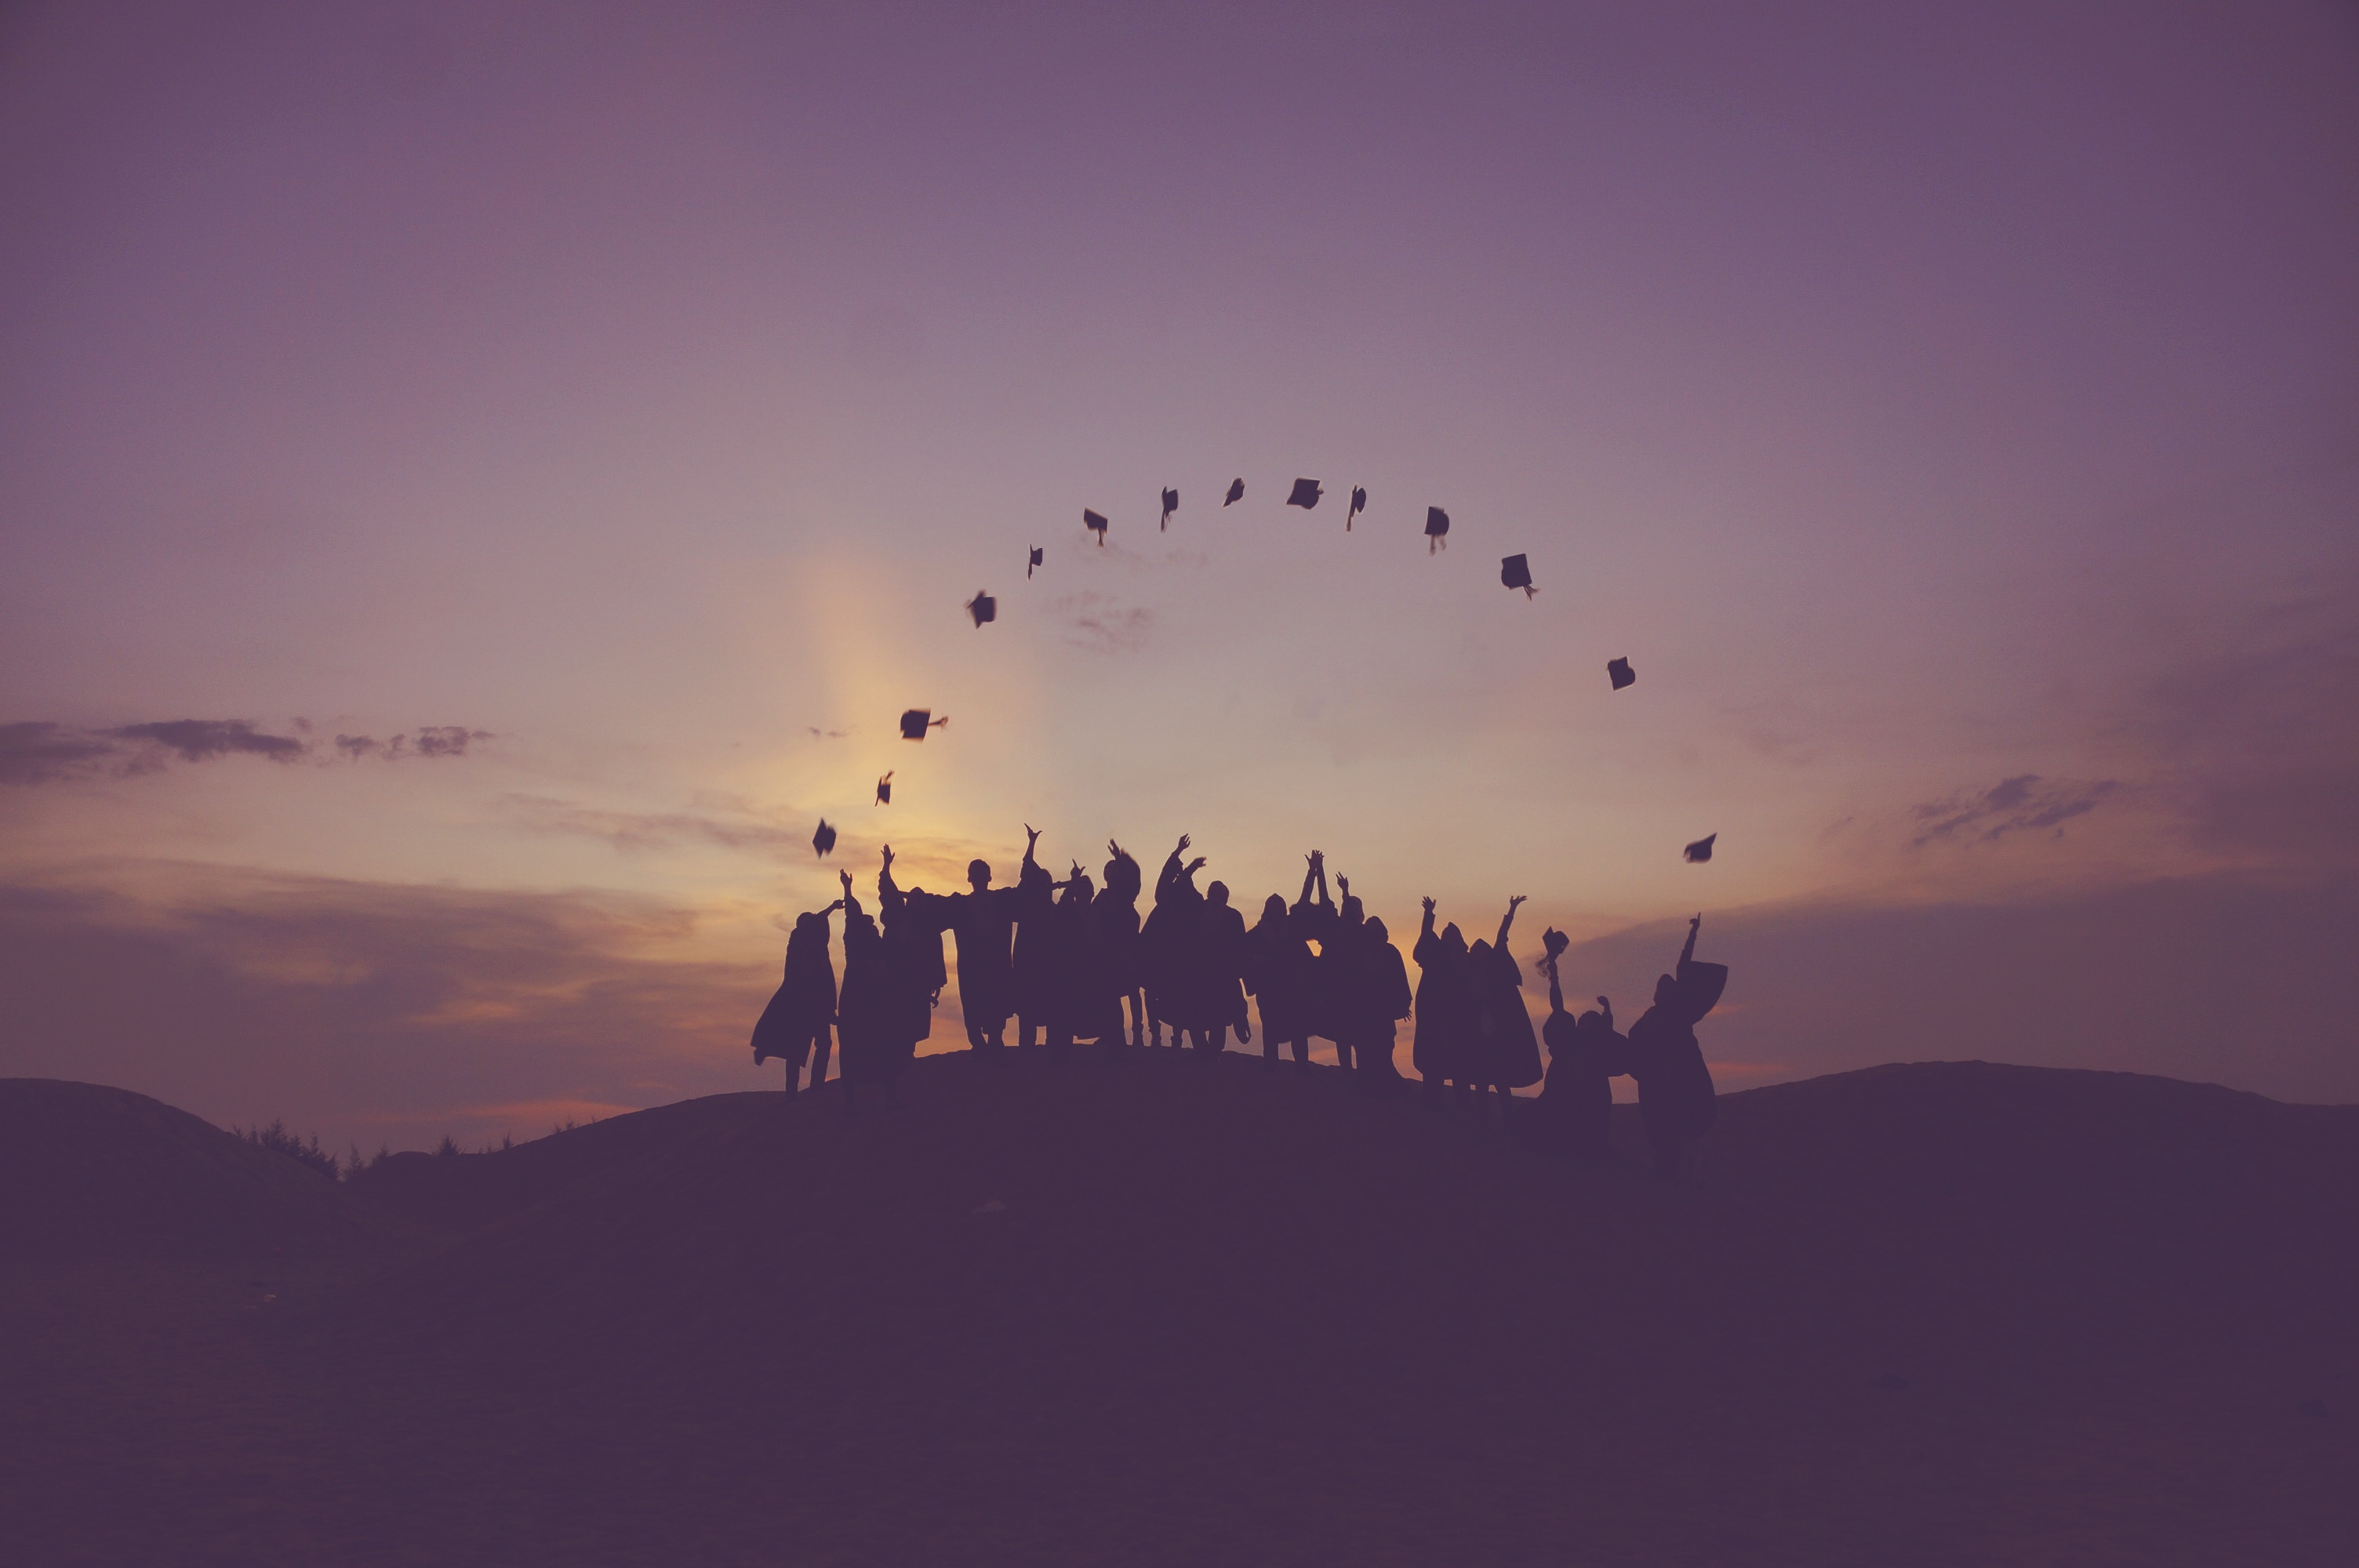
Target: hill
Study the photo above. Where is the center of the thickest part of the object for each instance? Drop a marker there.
(1174, 1310)
(91, 1171)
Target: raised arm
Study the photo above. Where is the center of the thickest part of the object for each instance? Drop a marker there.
(889, 895)
(851, 904)
(1686, 954)
(1425, 931)
(1556, 986)
(1169, 878)
(1506, 920)
(1319, 868)
(1310, 870)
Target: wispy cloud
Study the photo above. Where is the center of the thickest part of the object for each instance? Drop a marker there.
(1102, 625)
(37, 752)
(2024, 802)
(657, 830)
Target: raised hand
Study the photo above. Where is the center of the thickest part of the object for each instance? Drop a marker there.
(889, 854)
(1031, 836)
(1514, 901)
(1183, 845)
(1344, 885)
(1429, 904)
(1114, 848)
(846, 877)
(1196, 865)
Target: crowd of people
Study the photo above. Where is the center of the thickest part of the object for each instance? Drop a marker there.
(1071, 962)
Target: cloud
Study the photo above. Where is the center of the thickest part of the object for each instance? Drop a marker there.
(2252, 739)
(2024, 801)
(37, 752)
(653, 830)
(434, 741)
(1101, 624)
(372, 1011)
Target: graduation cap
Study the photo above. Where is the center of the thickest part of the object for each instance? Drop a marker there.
(1516, 572)
(1095, 525)
(1030, 564)
(824, 839)
(1700, 851)
(1619, 672)
(918, 721)
(1437, 529)
(1306, 494)
(1170, 504)
(1236, 492)
(1359, 504)
(984, 607)
(884, 790)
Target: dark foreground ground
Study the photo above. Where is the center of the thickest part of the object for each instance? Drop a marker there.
(1941, 1314)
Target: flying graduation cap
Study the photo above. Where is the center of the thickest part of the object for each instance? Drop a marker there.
(1170, 504)
(1095, 523)
(824, 839)
(1359, 504)
(1236, 492)
(1437, 529)
(984, 607)
(1306, 494)
(1516, 572)
(1700, 851)
(1031, 563)
(884, 790)
(918, 721)
(1619, 672)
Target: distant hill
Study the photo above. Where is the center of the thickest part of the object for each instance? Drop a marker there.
(90, 1170)
(1174, 1310)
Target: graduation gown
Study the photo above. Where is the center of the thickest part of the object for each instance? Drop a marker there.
(984, 925)
(865, 1027)
(804, 1002)
(1379, 998)
(1277, 970)
(1034, 908)
(1445, 1012)
(1574, 1112)
(1221, 965)
(1171, 944)
(1506, 1047)
(913, 951)
(1675, 1088)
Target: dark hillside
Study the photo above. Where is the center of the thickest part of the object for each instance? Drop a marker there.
(1938, 1314)
(90, 1170)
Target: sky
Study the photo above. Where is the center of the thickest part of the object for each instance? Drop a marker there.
(479, 482)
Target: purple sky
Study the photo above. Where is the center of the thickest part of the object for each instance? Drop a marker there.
(1954, 417)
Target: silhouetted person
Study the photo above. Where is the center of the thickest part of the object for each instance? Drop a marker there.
(1313, 920)
(1339, 971)
(1035, 909)
(914, 922)
(1444, 1052)
(983, 921)
(1278, 970)
(1170, 941)
(1573, 1117)
(1073, 988)
(1116, 915)
(1507, 1058)
(1379, 1000)
(1221, 958)
(1675, 1091)
(865, 1024)
(799, 1024)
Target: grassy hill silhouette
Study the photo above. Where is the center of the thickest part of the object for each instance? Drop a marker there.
(1175, 1309)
